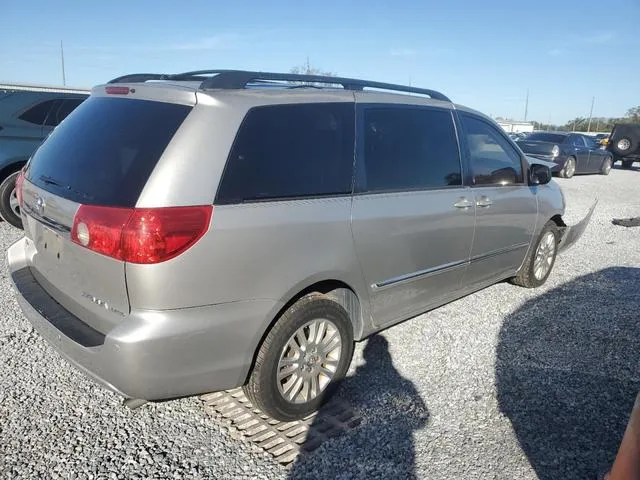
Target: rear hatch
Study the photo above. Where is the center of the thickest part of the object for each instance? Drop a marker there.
(101, 155)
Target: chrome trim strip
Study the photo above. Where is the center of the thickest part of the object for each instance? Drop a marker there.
(59, 227)
(420, 273)
(444, 268)
(495, 253)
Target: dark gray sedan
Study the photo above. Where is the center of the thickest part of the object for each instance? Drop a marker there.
(572, 152)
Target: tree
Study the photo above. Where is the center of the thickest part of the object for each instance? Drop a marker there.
(307, 69)
(634, 114)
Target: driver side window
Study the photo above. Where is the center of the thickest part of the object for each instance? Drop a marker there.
(493, 160)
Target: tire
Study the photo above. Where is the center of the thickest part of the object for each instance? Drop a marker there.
(8, 201)
(267, 392)
(627, 164)
(527, 276)
(624, 145)
(569, 168)
(605, 169)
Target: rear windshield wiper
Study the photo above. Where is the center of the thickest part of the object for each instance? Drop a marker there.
(57, 183)
(52, 181)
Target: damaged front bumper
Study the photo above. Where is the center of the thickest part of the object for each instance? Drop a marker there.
(572, 233)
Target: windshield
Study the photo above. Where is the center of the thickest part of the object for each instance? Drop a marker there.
(546, 137)
(104, 152)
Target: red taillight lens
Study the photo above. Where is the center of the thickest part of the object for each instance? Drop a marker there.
(145, 235)
(19, 182)
(117, 90)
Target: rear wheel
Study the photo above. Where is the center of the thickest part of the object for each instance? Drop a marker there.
(569, 168)
(540, 259)
(9, 206)
(303, 357)
(606, 166)
(627, 163)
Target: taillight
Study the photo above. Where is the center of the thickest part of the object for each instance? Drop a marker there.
(140, 235)
(19, 183)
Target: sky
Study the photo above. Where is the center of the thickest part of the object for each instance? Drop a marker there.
(483, 54)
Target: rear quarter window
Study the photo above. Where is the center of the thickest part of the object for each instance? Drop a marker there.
(291, 151)
(104, 152)
(37, 114)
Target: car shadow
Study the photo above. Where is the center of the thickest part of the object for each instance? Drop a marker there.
(618, 166)
(568, 371)
(382, 445)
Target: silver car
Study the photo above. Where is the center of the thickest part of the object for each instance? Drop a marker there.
(202, 231)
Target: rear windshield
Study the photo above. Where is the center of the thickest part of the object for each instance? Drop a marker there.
(104, 152)
(546, 137)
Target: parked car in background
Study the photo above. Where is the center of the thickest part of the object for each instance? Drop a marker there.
(600, 138)
(624, 143)
(27, 115)
(515, 136)
(572, 152)
(321, 234)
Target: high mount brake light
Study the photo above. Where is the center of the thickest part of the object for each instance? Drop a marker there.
(118, 90)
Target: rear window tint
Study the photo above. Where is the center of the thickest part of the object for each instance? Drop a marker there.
(291, 151)
(105, 151)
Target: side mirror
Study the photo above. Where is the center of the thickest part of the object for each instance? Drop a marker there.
(539, 174)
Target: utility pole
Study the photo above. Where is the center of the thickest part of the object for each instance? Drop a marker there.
(64, 79)
(526, 106)
(593, 99)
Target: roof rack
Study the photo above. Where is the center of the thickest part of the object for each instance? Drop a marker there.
(239, 79)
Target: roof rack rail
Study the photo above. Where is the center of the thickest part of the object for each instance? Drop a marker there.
(239, 79)
(236, 79)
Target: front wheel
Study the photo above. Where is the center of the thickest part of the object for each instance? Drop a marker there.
(540, 259)
(303, 357)
(9, 206)
(605, 169)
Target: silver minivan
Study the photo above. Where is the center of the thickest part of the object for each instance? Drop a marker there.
(202, 231)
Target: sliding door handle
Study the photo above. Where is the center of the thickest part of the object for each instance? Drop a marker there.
(463, 202)
(484, 201)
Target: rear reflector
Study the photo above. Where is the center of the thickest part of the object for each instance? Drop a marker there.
(140, 235)
(117, 90)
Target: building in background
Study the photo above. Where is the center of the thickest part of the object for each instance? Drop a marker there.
(514, 126)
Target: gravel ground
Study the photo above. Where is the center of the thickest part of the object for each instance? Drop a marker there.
(506, 383)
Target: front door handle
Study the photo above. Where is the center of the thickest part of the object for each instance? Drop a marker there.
(484, 202)
(464, 202)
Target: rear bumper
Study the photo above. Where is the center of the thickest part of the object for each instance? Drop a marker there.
(151, 355)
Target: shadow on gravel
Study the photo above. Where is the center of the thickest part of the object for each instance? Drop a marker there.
(382, 446)
(568, 371)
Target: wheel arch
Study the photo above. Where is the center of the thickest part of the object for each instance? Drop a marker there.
(337, 290)
(11, 166)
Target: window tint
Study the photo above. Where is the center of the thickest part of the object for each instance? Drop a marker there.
(578, 141)
(105, 152)
(493, 160)
(547, 137)
(289, 151)
(62, 110)
(408, 148)
(38, 113)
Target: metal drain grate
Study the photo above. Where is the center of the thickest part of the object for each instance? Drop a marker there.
(283, 440)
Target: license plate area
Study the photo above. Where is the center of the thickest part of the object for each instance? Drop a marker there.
(51, 244)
